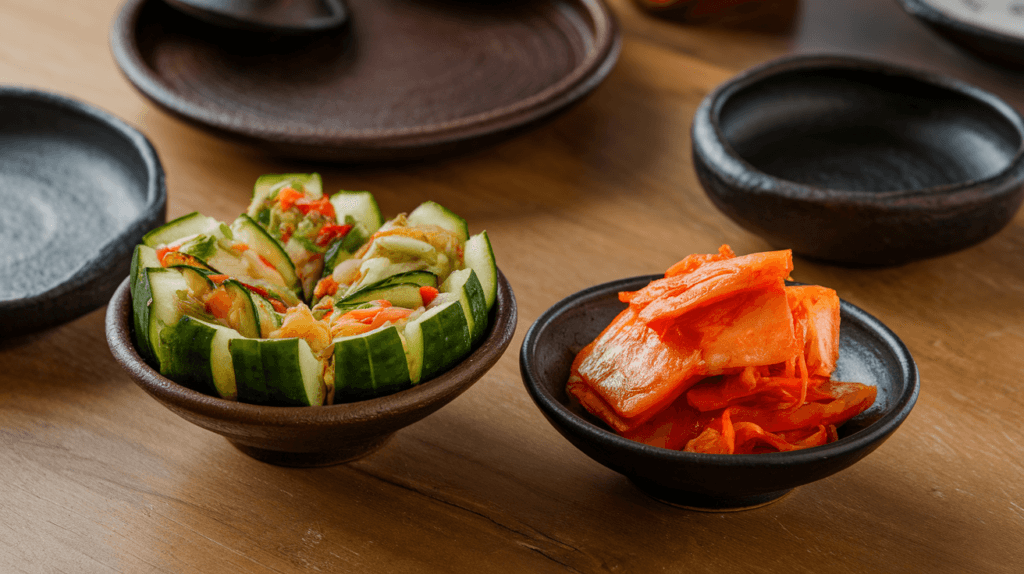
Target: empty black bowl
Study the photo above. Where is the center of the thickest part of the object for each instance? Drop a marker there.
(869, 353)
(857, 162)
(78, 189)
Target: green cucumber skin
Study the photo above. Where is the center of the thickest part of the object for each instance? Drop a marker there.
(433, 213)
(268, 184)
(142, 298)
(480, 258)
(175, 229)
(446, 341)
(280, 359)
(250, 326)
(405, 295)
(353, 374)
(269, 372)
(186, 352)
(343, 248)
(390, 365)
(361, 206)
(369, 366)
(163, 306)
(270, 248)
(248, 365)
(474, 294)
(421, 278)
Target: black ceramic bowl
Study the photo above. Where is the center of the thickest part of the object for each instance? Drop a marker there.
(857, 162)
(869, 353)
(79, 188)
(1004, 47)
(311, 436)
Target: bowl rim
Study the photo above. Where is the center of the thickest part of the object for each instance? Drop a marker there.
(932, 15)
(118, 245)
(440, 389)
(710, 143)
(598, 62)
(577, 425)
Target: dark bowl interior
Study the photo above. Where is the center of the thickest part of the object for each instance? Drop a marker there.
(311, 436)
(858, 130)
(869, 353)
(79, 188)
(857, 162)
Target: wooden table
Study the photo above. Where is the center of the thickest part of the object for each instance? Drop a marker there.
(97, 477)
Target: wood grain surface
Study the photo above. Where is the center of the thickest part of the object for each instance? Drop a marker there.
(97, 477)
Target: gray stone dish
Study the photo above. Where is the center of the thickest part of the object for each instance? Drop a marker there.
(857, 162)
(311, 436)
(78, 189)
(869, 353)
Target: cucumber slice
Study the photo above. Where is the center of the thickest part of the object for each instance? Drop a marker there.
(197, 356)
(244, 315)
(379, 270)
(480, 258)
(198, 279)
(192, 224)
(436, 340)
(282, 372)
(164, 307)
(142, 258)
(341, 250)
(370, 365)
(252, 234)
(405, 295)
(248, 367)
(431, 213)
(401, 248)
(361, 206)
(267, 185)
(419, 278)
(269, 318)
(466, 286)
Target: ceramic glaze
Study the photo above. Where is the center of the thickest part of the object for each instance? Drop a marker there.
(857, 162)
(79, 189)
(403, 80)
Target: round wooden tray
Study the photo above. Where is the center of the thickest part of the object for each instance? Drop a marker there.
(404, 79)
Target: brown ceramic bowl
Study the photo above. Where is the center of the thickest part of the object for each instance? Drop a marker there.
(310, 436)
(869, 353)
(858, 162)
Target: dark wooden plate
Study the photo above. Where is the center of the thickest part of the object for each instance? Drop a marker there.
(404, 79)
(79, 188)
(992, 31)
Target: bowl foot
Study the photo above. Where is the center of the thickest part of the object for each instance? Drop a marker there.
(707, 503)
(332, 457)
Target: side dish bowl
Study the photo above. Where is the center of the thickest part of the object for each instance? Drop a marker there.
(1001, 41)
(79, 188)
(311, 436)
(869, 353)
(858, 162)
